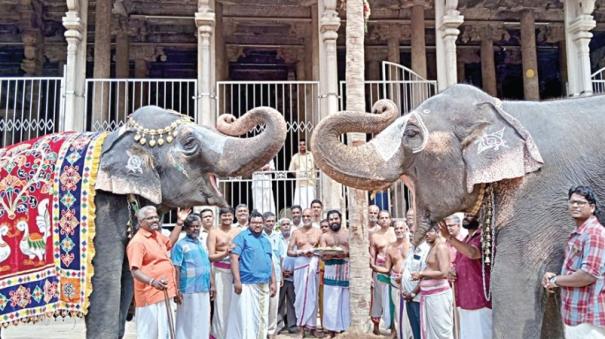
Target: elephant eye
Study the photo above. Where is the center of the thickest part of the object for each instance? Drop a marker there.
(411, 132)
(190, 145)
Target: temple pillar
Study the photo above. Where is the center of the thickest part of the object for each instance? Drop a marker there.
(529, 56)
(447, 21)
(102, 64)
(122, 62)
(204, 20)
(578, 24)
(418, 39)
(488, 64)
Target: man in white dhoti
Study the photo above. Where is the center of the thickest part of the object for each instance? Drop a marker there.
(219, 248)
(262, 189)
(336, 311)
(436, 309)
(301, 246)
(192, 265)
(303, 166)
(253, 282)
(467, 274)
(381, 307)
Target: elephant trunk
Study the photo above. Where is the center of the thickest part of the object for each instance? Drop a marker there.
(369, 166)
(241, 156)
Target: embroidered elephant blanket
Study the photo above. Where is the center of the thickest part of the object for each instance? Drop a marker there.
(47, 216)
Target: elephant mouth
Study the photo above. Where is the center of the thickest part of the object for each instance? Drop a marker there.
(215, 197)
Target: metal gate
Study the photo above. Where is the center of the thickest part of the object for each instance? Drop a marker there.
(29, 107)
(598, 81)
(298, 101)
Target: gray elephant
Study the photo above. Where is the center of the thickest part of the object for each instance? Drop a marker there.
(459, 143)
(181, 173)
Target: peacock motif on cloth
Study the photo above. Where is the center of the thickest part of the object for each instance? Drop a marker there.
(47, 226)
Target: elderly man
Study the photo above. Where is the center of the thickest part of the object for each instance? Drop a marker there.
(373, 211)
(286, 312)
(303, 166)
(241, 215)
(582, 278)
(301, 246)
(278, 255)
(453, 223)
(190, 259)
(253, 282)
(382, 306)
(336, 312)
(153, 272)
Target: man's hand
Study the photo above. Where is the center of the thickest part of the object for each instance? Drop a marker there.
(182, 214)
(308, 253)
(237, 287)
(546, 282)
(272, 289)
(416, 275)
(407, 296)
(178, 298)
(444, 231)
(159, 284)
(212, 292)
(451, 275)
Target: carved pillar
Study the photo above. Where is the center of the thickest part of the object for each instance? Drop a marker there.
(393, 51)
(329, 22)
(222, 64)
(30, 24)
(578, 24)
(447, 21)
(102, 63)
(122, 64)
(418, 39)
(75, 22)
(531, 85)
(488, 65)
(204, 20)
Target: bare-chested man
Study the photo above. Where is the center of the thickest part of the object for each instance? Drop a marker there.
(302, 244)
(373, 219)
(336, 312)
(382, 306)
(397, 254)
(219, 249)
(436, 309)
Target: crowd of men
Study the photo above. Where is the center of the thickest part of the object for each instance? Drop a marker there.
(259, 276)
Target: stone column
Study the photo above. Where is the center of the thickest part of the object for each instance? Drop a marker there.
(75, 23)
(122, 64)
(418, 39)
(488, 65)
(221, 62)
(329, 22)
(204, 20)
(30, 25)
(394, 73)
(102, 63)
(578, 24)
(140, 89)
(393, 52)
(531, 85)
(447, 21)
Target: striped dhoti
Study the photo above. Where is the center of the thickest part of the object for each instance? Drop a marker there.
(436, 310)
(336, 315)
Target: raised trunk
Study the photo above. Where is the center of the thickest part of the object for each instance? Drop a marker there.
(241, 156)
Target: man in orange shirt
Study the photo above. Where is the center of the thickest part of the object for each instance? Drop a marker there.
(153, 272)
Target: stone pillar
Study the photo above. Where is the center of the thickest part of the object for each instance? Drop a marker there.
(418, 39)
(329, 22)
(122, 62)
(30, 24)
(394, 73)
(75, 23)
(488, 65)
(393, 52)
(140, 89)
(204, 20)
(222, 64)
(578, 24)
(102, 63)
(315, 44)
(447, 21)
(531, 85)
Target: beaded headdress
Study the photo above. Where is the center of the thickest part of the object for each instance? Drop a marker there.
(155, 136)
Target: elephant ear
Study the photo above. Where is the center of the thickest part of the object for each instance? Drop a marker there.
(128, 168)
(498, 147)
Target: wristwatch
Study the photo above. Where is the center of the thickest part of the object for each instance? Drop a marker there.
(553, 280)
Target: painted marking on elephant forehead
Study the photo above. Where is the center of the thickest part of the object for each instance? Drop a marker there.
(494, 140)
(134, 164)
(384, 143)
(177, 164)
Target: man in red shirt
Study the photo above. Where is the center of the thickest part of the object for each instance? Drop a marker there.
(152, 271)
(582, 278)
(474, 308)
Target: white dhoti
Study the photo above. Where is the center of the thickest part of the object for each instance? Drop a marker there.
(303, 196)
(584, 331)
(273, 308)
(401, 321)
(336, 311)
(383, 284)
(305, 289)
(436, 310)
(475, 323)
(193, 316)
(223, 282)
(262, 193)
(152, 321)
(249, 317)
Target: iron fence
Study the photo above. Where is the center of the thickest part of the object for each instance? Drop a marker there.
(598, 81)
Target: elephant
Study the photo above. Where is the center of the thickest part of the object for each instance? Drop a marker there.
(181, 173)
(460, 142)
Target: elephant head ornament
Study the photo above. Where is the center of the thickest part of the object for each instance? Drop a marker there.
(445, 149)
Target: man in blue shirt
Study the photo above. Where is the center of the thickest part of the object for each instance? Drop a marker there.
(253, 281)
(195, 287)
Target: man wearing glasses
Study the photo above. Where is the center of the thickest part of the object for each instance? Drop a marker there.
(301, 246)
(582, 278)
(152, 271)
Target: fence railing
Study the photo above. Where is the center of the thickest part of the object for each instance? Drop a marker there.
(29, 107)
(110, 101)
(598, 81)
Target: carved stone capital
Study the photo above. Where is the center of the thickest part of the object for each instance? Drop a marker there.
(291, 55)
(205, 18)
(427, 4)
(147, 53)
(550, 34)
(479, 32)
(233, 53)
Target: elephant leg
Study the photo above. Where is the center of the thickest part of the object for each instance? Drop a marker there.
(127, 294)
(518, 298)
(103, 320)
